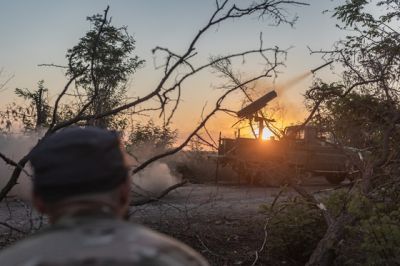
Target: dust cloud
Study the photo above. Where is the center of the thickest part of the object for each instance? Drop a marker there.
(15, 146)
(156, 177)
(151, 181)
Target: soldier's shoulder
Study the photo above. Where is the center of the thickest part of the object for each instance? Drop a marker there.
(114, 242)
(165, 246)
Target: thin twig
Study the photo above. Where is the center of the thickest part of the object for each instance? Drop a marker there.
(162, 194)
(13, 163)
(12, 228)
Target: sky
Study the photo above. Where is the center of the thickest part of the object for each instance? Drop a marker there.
(41, 31)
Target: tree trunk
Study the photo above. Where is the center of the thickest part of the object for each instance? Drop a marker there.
(324, 254)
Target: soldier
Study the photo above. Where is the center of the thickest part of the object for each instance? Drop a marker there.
(81, 183)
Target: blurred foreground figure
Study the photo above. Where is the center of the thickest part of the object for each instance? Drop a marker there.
(81, 182)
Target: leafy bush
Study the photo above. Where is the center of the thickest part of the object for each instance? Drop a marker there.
(294, 229)
(152, 134)
(374, 239)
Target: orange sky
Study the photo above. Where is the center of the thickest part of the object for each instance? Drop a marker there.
(286, 109)
(29, 39)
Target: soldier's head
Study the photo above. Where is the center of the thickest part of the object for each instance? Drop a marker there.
(78, 170)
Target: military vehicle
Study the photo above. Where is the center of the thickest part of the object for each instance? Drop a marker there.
(301, 150)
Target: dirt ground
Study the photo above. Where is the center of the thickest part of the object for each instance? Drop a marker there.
(223, 222)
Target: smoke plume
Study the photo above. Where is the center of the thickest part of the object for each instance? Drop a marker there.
(294, 81)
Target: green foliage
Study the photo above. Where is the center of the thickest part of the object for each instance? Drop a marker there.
(354, 12)
(31, 116)
(374, 239)
(336, 202)
(368, 93)
(356, 120)
(381, 238)
(294, 229)
(38, 101)
(151, 135)
(106, 61)
(110, 55)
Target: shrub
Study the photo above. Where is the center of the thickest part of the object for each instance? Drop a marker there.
(294, 229)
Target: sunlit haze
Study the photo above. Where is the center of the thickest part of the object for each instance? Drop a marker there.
(36, 32)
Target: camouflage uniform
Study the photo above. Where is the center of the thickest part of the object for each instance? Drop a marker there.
(99, 239)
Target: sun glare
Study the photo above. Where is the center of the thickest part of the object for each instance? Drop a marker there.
(267, 134)
(247, 133)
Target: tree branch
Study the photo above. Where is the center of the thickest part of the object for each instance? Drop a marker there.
(12, 163)
(162, 194)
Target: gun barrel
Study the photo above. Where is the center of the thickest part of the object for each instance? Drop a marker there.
(257, 104)
(318, 68)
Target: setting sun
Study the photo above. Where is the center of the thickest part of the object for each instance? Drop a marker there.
(267, 134)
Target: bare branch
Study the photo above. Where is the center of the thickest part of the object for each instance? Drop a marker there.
(162, 194)
(12, 163)
(63, 92)
(13, 228)
(14, 177)
(209, 144)
(4, 83)
(52, 65)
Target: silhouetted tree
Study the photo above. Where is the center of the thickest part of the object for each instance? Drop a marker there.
(34, 115)
(104, 58)
(39, 104)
